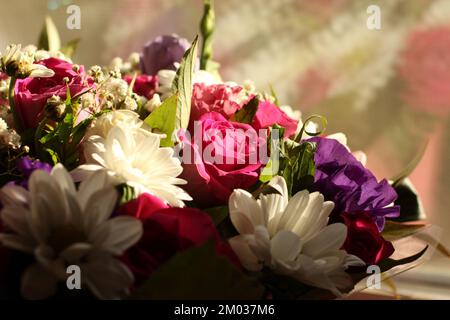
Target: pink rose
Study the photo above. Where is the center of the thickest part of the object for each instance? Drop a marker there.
(269, 114)
(220, 98)
(424, 67)
(31, 94)
(221, 156)
(227, 100)
(144, 85)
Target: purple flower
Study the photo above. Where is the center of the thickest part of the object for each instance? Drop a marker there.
(26, 166)
(353, 188)
(163, 53)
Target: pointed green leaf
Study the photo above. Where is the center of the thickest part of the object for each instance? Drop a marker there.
(183, 86)
(274, 95)
(49, 38)
(247, 113)
(70, 48)
(300, 171)
(164, 119)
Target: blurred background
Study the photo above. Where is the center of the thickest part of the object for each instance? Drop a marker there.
(387, 89)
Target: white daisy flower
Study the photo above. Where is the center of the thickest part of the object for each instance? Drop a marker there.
(63, 226)
(135, 157)
(123, 118)
(291, 237)
(20, 63)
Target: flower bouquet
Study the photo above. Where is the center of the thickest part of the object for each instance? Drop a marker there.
(152, 178)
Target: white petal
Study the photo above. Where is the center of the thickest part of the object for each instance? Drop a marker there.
(293, 212)
(84, 171)
(15, 217)
(279, 184)
(272, 205)
(330, 239)
(75, 252)
(246, 256)
(96, 181)
(64, 179)
(285, 246)
(14, 195)
(123, 232)
(17, 242)
(99, 208)
(107, 278)
(245, 212)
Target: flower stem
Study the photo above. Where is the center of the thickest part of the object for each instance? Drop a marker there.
(207, 30)
(38, 134)
(17, 120)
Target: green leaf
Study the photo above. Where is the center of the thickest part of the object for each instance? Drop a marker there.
(64, 128)
(70, 48)
(396, 230)
(164, 118)
(217, 214)
(274, 95)
(49, 38)
(273, 165)
(198, 273)
(53, 156)
(183, 86)
(247, 113)
(388, 263)
(300, 171)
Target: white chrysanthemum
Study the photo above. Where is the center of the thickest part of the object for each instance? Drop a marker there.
(20, 63)
(62, 226)
(135, 157)
(123, 118)
(291, 237)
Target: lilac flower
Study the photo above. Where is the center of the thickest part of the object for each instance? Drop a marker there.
(162, 53)
(353, 188)
(26, 166)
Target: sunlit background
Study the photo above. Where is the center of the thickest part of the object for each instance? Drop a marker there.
(388, 89)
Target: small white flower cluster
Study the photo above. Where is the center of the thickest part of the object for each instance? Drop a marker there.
(112, 91)
(128, 66)
(8, 137)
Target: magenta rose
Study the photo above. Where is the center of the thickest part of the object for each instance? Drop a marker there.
(144, 85)
(364, 239)
(168, 231)
(269, 114)
(31, 94)
(220, 157)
